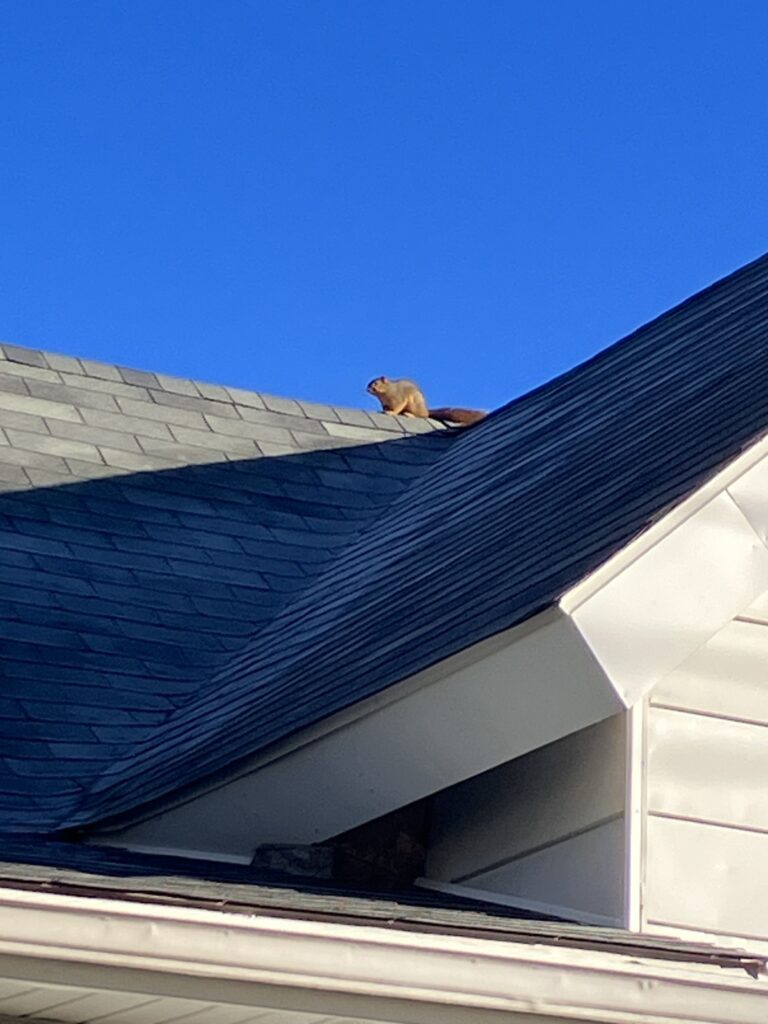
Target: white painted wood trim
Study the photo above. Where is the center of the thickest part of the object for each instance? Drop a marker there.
(650, 618)
(389, 975)
(453, 726)
(634, 816)
(343, 719)
(687, 508)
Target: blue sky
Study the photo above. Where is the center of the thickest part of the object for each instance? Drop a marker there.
(298, 196)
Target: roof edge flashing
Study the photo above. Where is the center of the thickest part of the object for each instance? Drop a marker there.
(724, 479)
(665, 595)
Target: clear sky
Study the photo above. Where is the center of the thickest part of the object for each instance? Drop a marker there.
(298, 195)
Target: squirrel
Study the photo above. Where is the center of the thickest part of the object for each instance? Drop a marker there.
(404, 398)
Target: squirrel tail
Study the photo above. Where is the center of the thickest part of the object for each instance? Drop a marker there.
(463, 416)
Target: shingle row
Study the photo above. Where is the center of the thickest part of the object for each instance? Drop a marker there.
(130, 420)
(148, 527)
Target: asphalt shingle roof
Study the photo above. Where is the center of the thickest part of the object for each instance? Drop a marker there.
(492, 526)
(149, 526)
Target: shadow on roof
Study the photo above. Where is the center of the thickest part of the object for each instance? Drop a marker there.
(120, 596)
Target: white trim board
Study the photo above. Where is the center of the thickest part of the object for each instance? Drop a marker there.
(458, 723)
(358, 971)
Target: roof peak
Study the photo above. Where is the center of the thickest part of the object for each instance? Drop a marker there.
(67, 369)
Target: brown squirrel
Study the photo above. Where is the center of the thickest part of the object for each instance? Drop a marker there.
(404, 398)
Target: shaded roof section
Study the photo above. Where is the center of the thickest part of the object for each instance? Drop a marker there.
(149, 526)
(432, 545)
(97, 871)
(517, 510)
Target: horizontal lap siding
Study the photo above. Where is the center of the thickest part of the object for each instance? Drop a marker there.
(707, 798)
(547, 827)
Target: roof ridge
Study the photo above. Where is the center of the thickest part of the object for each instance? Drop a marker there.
(69, 368)
(657, 322)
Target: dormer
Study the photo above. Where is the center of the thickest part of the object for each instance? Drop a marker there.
(602, 763)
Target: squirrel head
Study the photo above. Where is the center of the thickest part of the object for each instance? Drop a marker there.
(377, 385)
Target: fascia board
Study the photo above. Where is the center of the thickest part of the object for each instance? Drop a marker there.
(454, 721)
(580, 592)
(667, 593)
(400, 976)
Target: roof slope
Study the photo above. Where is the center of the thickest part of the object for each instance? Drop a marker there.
(510, 515)
(514, 513)
(149, 526)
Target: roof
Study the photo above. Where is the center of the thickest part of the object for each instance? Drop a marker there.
(98, 871)
(148, 527)
(489, 527)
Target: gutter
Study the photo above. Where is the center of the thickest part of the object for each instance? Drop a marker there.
(363, 970)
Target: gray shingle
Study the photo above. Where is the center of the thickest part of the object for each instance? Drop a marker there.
(270, 428)
(29, 373)
(177, 385)
(139, 378)
(38, 407)
(123, 458)
(107, 387)
(247, 398)
(174, 451)
(70, 395)
(306, 442)
(25, 356)
(359, 418)
(11, 383)
(163, 413)
(97, 436)
(118, 421)
(64, 364)
(13, 476)
(279, 419)
(23, 421)
(32, 461)
(207, 439)
(88, 470)
(318, 442)
(214, 392)
(198, 405)
(61, 446)
(395, 424)
(282, 405)
(356, 433)
(102, 371)
(315, 411)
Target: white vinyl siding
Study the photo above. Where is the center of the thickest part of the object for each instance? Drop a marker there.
(707, 798)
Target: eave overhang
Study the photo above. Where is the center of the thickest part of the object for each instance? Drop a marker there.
(221, 959)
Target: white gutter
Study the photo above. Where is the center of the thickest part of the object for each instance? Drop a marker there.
(384, 974)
